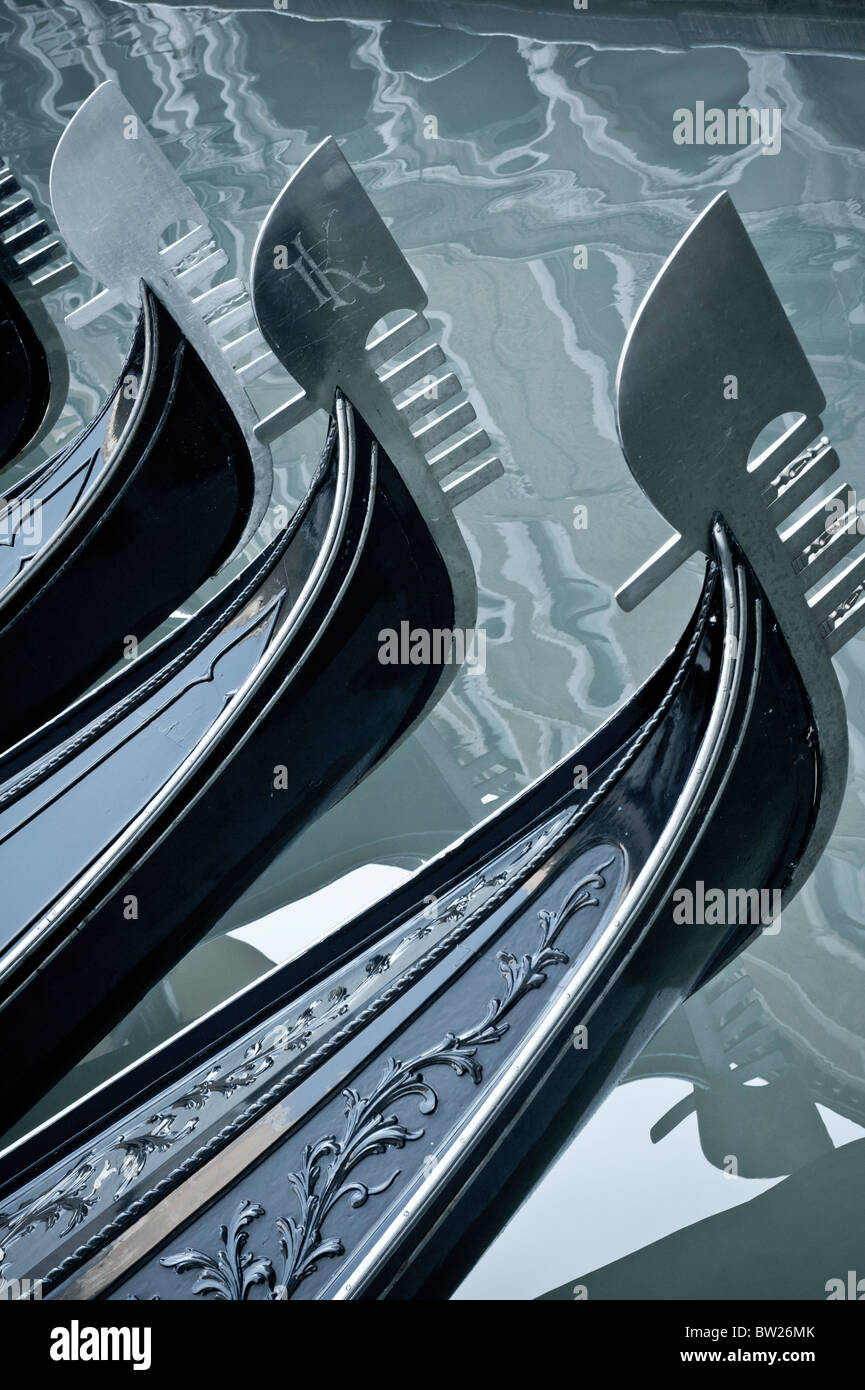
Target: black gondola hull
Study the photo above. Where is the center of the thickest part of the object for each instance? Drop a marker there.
(382, 1109)
(132, 519)
(315, 720)
(26, 378)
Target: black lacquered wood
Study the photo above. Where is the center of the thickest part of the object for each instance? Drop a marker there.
(321, 711)
(452, 1026)
(121, 528)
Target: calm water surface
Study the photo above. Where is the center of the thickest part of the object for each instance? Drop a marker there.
(493, 159)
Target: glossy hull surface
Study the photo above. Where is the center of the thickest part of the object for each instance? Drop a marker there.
(26, 378)
(362, 1121)
(150, 807)
(34, 374)
(110, 537)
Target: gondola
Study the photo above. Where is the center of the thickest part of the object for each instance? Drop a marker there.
(35, 373)
(177, 465)
(128, 801)
(118, 550)
(115, 532)
(360, 1122)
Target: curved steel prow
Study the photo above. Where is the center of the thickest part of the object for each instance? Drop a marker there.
(115, 196)
(711, 360)
(325, 271)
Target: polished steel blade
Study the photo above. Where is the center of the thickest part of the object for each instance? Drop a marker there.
(325, 272)
(115, 196)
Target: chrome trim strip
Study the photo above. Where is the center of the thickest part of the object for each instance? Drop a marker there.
(24, 947)
(594, 961)
(44, 557)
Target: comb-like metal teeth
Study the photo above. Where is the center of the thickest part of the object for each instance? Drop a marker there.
(813, 524)
(445, 425)
(487, 770)
(214, 298)
(34, 247)
(135, 200)
(284, 418)
(730, 997)
(34, 260)
(472, 482)
(433, 394)
(389, 343)
(794, 475)
(799, 479)
(849, 620)
(348, 317)
(839, 608)
(221, 314)
(202, 270)
(10, 217)
(28, 236)
(762, 1067)
(828, 550)
(31, 248)
(174, 255)
(407, 373)
(93, 308)
(817, 544)
(673, 553)
(734, 1027)
(743, 1050)
(239, 348)
(186, 245)
(740, 1034)
(55, 278)
(219, 324)
(251, 371)
(465, 449)
(786, 448)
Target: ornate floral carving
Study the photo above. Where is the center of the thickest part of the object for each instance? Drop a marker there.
(217, 1083)
(377, 965)
(372, 1127)
(233, 1272)
(460, 906)
(137, 1148)
(78, 1196)
(69, 1202)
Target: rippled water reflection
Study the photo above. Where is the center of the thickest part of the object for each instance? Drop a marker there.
(493, 158)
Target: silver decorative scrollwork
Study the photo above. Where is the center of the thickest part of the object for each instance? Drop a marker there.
(111, 1169)
(327, 1177)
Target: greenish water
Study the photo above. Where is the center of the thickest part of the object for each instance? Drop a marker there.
(493, 158)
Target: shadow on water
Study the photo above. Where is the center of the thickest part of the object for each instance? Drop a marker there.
(815, 1217)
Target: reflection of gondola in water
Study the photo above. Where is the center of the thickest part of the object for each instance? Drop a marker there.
(800, 1240)
(412, 1072)
(760, 1060)
(756, 1115)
